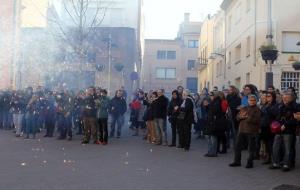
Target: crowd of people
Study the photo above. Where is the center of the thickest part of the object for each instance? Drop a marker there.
(265, 122)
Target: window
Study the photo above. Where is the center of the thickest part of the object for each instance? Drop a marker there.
(220, 68)
(165, 73)
(171, 73)
(248, 78)
(193, 44)
(238, 82)
(289, 42)
(191, 65)
(248, 6)
(289, 79)
(171, 54)
(238, 51)
(192, 84)
(161, 54)
(248, 47)
(160, 73)
(229, 60)
(229, 23)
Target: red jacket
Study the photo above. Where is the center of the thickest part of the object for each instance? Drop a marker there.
(224, 105)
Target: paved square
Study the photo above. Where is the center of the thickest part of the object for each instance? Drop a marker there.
(128, 163)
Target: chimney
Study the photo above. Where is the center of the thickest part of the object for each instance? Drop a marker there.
(186, 17)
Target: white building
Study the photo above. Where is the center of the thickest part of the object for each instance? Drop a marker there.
(245, 31)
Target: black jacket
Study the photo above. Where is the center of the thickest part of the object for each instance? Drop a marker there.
(118, 106)
(216, 121)
(172, 114)
(188, 109)
(89, 107)
(160, 106)
(285, 115)
(233, 101)
(268, 115)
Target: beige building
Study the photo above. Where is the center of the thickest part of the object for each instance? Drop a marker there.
(170, 63)
(245, 31)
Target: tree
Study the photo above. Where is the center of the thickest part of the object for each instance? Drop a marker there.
(76, 30)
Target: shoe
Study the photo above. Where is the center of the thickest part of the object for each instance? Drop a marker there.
(46, 136)
(249, 165)
(235, 164)
(274, 167)
(179, 146)
(104, 143)
(172, 145)
(210, 155)
(61, 138)
(186, 149)
(70, 138)
(85, 142)
(286, 168)
(97, 142)
(18, 135)
(27, 137)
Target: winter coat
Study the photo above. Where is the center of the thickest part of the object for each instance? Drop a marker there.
(285, 115)
(187, 107)
(216, 121)
(160, 107)
(118, 106)
(172, 114)
(103, 107)
(234, 101)
(89, 107)
(252, 122)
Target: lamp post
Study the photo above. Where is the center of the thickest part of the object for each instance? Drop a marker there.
(269, 74)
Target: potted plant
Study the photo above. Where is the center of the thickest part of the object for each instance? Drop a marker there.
(99, 67)
(268, 53)
(119, 67)
(296, 65)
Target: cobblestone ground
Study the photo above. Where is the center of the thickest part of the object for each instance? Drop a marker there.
(128, 163)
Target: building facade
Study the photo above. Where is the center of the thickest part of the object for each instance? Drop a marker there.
(116, 40)
(9, 37)
(245, 29)
(172, 63)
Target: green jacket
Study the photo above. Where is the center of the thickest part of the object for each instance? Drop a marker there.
(103, 106)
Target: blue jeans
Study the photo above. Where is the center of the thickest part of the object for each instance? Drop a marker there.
(31, 124)
(64, 125)
(7, 120)
(212, 145)
(284, 149)
(161, 130)
(120, 121)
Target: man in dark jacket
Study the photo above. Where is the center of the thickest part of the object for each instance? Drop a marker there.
(118, 108)
(102, 116)
(248, 130)
(234, 101)
(287, 137)
(160, 116)
(89, 116)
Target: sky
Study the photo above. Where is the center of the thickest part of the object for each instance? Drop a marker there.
(163, 17)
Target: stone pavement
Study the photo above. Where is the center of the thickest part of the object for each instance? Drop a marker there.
(128, 163)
